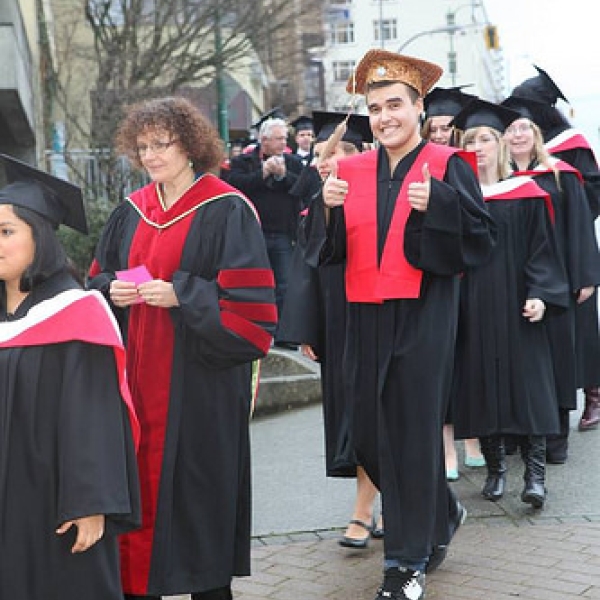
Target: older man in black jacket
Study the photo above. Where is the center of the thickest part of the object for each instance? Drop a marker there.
(266, 175)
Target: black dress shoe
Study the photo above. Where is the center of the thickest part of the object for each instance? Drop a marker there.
(439, 553)
(357, 543)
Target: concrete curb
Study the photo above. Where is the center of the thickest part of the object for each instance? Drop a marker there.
(288, 380)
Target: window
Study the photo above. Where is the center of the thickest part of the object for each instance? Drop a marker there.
(342, 69)
(385, 30)
(342, 33)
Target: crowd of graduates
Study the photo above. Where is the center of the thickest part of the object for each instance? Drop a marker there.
(437, 255)
(527, 334)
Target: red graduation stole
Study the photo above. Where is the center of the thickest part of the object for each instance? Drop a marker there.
(517, 188)
(569, 139)
(557, 163)
(393, 277)
(73, 315)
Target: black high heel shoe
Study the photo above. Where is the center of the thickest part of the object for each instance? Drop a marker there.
(357, 543)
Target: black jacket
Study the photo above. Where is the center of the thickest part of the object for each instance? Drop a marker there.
(277, 207)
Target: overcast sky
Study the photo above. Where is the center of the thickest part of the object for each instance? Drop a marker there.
(563, 38)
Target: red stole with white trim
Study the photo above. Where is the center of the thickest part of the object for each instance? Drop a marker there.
(556, 163)
(517, 188)
(393, 277)
(73, 315)
(570, 139)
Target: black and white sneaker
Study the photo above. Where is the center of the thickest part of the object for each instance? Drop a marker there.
(400, 583)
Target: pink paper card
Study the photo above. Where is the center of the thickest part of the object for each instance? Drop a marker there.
(136, 275)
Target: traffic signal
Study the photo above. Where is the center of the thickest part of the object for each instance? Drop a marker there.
(492, 41)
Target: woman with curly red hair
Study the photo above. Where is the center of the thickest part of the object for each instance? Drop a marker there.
(184, 264)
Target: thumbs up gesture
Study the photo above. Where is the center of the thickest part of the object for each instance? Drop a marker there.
(334, 189)
(418, 191)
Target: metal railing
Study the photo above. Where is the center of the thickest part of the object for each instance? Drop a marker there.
(103, 177)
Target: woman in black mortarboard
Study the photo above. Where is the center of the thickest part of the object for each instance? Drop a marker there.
(68, 477)
(314, 316)
(576, 238)
(441, 106)
(504, 381)
(569, 144)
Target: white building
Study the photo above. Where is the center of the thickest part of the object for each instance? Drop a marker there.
(452, 33)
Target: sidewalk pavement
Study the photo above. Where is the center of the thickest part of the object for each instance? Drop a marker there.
(504, 551)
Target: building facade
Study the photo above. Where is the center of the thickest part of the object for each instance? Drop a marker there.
(456, 35)
(21, 131)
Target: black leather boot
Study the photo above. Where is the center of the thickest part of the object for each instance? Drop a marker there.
(557, 446)
(590, 418)
(533, 452)
(492, 448)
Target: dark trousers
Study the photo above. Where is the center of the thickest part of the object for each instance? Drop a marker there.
(280, 247)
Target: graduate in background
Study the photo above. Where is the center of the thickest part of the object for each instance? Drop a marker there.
(566, 143)
(504, 380)
(576, 239)
(314, 316)
(441, 106)
(304, 136)
(68, 476)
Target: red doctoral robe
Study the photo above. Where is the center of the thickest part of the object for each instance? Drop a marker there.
(191, 370)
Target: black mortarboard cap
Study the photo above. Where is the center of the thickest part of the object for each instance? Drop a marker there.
(540, 88)
(545, 116)
(274, 113)
(55, 199)
(529, 109)
(447, 102)
(302, 123)
(358, 129)
(480, 113)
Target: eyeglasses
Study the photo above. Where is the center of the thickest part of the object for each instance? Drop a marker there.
(522, 128)
(155, 147)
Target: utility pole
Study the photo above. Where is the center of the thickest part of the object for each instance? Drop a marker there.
(451, 23)
(222, 116)
(381, 42)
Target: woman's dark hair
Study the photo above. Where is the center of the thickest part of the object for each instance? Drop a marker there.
(178, 116)
(49, 255)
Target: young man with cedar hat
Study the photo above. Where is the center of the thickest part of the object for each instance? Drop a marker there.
(408, 218)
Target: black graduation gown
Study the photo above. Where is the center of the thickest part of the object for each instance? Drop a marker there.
(315, 314)
(504, 380)
(399, 353)
(587, 331)
(191, 381)
(66, 451)
(578, 250)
